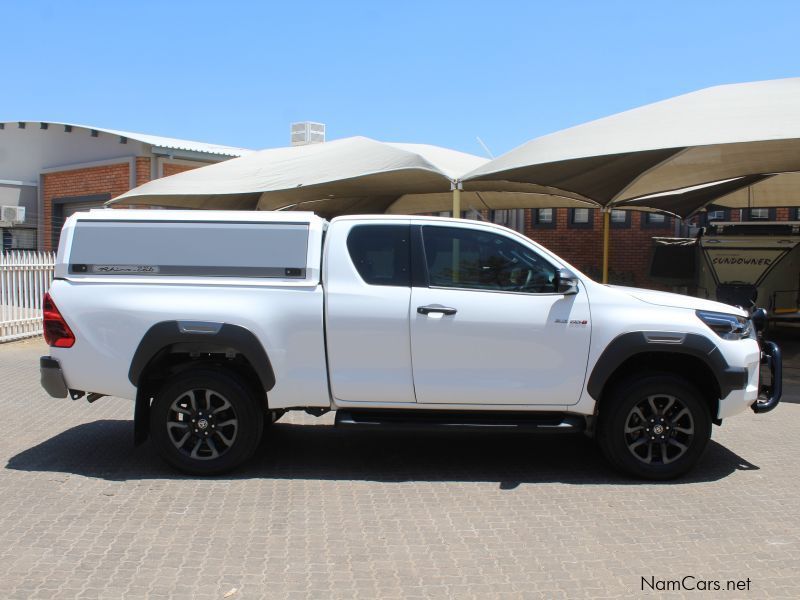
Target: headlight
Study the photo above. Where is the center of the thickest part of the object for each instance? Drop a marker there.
(728, 327)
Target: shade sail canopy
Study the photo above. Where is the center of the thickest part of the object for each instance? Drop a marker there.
(352, 175)
(350, 168)
(708, 136)
(751, 191)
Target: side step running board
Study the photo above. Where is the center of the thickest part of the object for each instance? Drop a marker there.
(460, 421)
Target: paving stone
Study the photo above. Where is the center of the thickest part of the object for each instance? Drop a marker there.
(321, 513)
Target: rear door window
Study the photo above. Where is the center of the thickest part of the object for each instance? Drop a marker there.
(381, 253)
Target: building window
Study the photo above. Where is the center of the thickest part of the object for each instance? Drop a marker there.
(581, 217)
(23, 239)
(544, 218)
(716, 215)
(797, 214)
(654, 220)
(620, 219)
(761, 214)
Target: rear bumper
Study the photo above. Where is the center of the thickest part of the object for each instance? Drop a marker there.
(52, 378)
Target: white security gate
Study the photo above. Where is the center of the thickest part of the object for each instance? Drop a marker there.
(24, 279)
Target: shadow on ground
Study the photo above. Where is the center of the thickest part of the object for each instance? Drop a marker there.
(103, 449)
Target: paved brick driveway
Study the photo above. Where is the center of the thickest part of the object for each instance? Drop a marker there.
(324, 514)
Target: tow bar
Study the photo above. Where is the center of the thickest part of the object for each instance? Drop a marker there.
(770, 356)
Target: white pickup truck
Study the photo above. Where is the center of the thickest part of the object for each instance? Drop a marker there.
(217, 323)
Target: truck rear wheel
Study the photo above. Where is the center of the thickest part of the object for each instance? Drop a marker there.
(654, 427)
(205, 422)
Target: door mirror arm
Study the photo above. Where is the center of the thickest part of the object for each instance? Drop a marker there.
(565, 282)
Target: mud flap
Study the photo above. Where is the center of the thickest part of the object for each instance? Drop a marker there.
(141, 417)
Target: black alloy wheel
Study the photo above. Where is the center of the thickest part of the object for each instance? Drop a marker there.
(206, 422)
(654, 427)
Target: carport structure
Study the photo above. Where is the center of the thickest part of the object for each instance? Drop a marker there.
(347, 176)
(737, 146)
(734, 145)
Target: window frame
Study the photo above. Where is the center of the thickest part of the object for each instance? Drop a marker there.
(419, 261)
(545, 224)
(588, 225)
(726, 215)
(665, 224)
(624, 224)
(771, 215)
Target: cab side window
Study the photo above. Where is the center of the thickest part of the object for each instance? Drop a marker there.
(381, 253)
(481, 260)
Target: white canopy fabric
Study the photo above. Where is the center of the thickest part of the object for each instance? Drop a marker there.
(752, 191)
(354, 168)
(344, 176)
(706, 136)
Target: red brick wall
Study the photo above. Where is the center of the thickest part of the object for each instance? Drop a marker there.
(173, 169)
(629, 247)
(142, 170)
(107, 179)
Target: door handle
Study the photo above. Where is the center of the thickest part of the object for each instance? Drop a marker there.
(436, 308)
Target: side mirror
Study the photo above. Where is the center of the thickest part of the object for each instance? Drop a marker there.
(565, 282)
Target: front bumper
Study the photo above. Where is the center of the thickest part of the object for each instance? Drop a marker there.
(772, 357)
(52, 378)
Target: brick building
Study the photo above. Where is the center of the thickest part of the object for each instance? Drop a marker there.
(577, 235)
(50, 170)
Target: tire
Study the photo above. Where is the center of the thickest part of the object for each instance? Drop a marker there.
(205, 422)
(664, 408)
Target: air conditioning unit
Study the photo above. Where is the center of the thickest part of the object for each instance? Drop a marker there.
(307, 132)
(12, 214)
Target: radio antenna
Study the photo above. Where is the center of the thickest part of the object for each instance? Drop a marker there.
(485, 147)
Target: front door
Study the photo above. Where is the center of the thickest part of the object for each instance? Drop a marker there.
(489, 328)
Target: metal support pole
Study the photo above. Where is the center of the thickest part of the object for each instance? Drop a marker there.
(456, 186)
(456, 268)
(606, 228)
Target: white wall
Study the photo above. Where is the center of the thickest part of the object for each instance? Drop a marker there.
(25, 152)
(20, 195)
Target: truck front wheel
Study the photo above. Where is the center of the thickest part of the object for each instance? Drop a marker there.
(205, 422)
(654, 427)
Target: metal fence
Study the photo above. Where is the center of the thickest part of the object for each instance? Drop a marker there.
(24, 278)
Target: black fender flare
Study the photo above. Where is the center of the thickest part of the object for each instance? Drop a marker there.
(628, 345)
(200, 336)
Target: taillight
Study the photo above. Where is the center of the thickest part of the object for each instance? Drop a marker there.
(56, 331)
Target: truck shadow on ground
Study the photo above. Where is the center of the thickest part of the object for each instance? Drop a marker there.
(103, 449)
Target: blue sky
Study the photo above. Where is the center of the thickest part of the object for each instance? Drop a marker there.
(437, 72)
